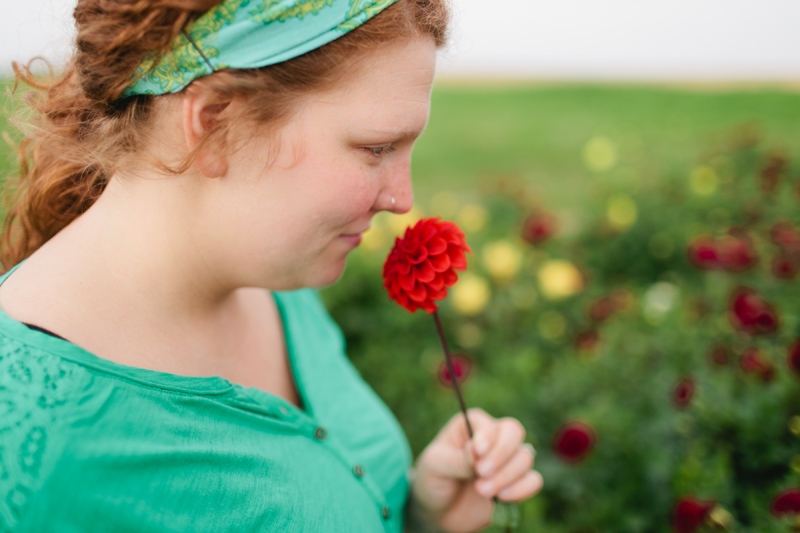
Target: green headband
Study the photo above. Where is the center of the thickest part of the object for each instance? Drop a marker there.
(250, 34)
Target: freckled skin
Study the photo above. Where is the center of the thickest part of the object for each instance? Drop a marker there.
(287, 214)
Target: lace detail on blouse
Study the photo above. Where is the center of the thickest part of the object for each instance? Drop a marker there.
(33, 386)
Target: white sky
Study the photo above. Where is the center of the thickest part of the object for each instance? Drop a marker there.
(557, 39)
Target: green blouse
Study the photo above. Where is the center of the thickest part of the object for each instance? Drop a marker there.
(89, 445)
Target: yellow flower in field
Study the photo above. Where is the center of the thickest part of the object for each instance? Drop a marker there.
(375, 238)
(472, 217)
(399, 223)
(599, 154)
(502, 260)
(704, 180)
(621, 211)
(794, 425)
(559, 279)
(470, 295)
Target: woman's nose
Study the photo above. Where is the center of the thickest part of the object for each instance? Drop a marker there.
(398, 191)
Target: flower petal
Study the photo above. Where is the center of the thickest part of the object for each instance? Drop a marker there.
(407, 282)
(450, 278)
(440, 263)
(436, 246)
(424, 272)
(418, 294)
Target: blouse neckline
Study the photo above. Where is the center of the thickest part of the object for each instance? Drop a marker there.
(201, 385)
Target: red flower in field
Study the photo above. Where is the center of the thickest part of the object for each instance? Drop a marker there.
(423, 264)
(602, 309)
(704, 253)
(720, 354)
(736, 251)
(771, 172)
(793, 357)
(786, 236)
(462, 365)
(586, 341)
(753, 361)
(750, 313)
(787, 502)
(683, 392)
(733, 252)
(690, 513)
(784, 267)
(539, 227)
(573, 441)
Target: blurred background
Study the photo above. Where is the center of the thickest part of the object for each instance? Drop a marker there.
(626, 174)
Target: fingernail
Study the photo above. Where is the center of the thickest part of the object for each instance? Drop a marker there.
(504, 493)
(481, 446)
(485, 468)
(485, 487)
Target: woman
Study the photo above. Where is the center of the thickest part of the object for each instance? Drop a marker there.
(197, 168)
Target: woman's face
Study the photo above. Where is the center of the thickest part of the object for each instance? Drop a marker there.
(290, 209)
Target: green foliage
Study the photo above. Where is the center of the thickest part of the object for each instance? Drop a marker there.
(732, 443)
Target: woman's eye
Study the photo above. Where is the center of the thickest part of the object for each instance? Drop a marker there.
(381, 150)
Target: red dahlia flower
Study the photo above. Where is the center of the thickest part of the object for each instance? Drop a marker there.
(793, 357)
(733, 252)
(422, 264)
(787, 502)
(752, 314)
(784, 267)
(786, 236)
(462, 366)
(587, 340)
(574, 441)
(753, 361)
(690, 513)
(539, 227)
(683, 393)
(720, 354)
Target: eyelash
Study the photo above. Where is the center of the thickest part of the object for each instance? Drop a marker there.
(382, 150)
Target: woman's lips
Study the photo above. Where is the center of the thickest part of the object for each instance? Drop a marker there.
(354, 240)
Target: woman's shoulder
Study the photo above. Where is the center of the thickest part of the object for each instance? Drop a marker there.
(41, 395)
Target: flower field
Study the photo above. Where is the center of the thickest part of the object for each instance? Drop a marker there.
(632, 296)
(637, 309)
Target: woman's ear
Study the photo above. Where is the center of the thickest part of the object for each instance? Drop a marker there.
(202, 110)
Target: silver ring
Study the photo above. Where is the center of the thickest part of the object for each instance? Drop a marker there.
(529, 448)
(393, 201)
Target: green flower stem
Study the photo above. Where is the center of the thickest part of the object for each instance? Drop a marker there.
(508, 509)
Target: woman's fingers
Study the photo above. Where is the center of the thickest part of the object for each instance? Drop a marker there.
(511, 472)
(524, 488)
(509, 436)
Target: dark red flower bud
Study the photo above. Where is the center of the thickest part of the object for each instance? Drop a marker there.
(720, 354)
(683, 392)
(573, 441)
(736, 252)
(754, 361)
(752, 314)
(586, 341)
(602, 309)
(793, 357)
(771, 172)
(462, 366)
(786, 236)
(787, 502)
(704, 253)
(785, 267)
(539, 227)
(423, 264)
(690, 513)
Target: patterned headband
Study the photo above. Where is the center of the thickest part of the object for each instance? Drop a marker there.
(250, 34)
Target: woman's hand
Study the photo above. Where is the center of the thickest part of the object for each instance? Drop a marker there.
(445, 490)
